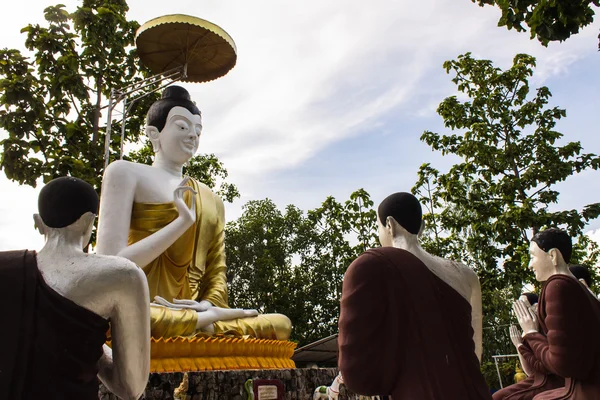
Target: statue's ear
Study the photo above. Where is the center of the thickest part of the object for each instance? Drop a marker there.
(555, 255)
(392, 226)
(39, 224)
(153, 134)
(84, 226)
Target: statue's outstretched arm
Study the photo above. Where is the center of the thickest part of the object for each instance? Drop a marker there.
(124, 369)
(116, 203)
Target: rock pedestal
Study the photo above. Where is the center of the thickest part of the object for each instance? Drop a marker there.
(229, 385)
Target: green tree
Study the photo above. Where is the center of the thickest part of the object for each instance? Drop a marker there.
(51, 104)
(486, 208)
(293, 263)
(548, 21)
(204, 167)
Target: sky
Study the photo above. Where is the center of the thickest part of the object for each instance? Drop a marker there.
(329, 97)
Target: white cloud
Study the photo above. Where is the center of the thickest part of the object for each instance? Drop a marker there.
(313, 73)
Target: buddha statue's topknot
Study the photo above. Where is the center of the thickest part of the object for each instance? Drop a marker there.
(172, 96)
(176, 92)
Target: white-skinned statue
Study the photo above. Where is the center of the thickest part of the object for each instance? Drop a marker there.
(59, 304)
(173, 228)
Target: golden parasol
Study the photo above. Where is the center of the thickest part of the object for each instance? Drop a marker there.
(205, 50)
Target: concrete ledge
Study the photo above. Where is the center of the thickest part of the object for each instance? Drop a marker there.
(229, 385)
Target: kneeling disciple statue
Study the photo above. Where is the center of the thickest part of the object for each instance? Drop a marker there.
(566, 339)
(173, 228)
(410, 323)
(57, 304)
(539, 378)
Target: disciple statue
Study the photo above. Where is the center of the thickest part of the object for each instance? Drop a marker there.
(58, 304)
(539, 379)
(564, 336)
(410, 322)
(172, 227)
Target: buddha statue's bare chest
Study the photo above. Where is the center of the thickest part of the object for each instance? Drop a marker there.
(154, 186)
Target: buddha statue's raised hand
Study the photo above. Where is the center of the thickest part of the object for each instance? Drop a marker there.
(186, 213)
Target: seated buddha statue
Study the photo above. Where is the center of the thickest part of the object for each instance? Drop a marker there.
(172, 227)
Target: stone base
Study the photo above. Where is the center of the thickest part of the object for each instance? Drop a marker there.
(299, 384)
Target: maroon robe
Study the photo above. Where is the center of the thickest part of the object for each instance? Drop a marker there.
(405, 332)
(570, 316)
(539, 381)
(50, 345)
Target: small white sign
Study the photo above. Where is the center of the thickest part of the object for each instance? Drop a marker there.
(267, 392)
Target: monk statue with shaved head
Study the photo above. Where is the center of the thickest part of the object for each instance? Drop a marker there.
(410, 322)
(57, 305)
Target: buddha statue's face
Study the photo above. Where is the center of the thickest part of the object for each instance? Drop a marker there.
(179, 139)
(542, 263)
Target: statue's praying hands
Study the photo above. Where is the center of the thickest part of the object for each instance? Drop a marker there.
(527, 318)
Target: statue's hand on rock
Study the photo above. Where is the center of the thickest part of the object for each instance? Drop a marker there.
(207, 316)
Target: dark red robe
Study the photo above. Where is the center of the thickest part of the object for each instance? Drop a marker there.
(405, 332)
(50, 345)
(570, 316)
(539, 381)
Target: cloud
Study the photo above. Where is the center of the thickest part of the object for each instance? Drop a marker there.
(17, 207)
(312, 75)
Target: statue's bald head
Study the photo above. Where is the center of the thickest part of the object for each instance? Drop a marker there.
(64, 200)
(404, 208)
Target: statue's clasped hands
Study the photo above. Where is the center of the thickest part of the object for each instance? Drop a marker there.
(527, 317)
(515, 336)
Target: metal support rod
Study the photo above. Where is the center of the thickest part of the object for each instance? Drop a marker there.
(498, 368)
(149, 82)
(498, 371)
(163, 74)
(108, 129)
(123, 123)
(174, 75)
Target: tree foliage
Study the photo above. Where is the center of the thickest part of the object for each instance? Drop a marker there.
(293, 262)
(204, 167)
(51, 103)
(548, 21)
(485, 209)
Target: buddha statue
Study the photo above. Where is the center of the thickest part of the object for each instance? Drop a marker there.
(519, 374)
(57, 306)
(172, 227)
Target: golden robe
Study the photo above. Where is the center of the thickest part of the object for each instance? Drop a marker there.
(193, 267)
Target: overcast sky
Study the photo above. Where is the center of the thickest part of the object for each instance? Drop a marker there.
(331, 96)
